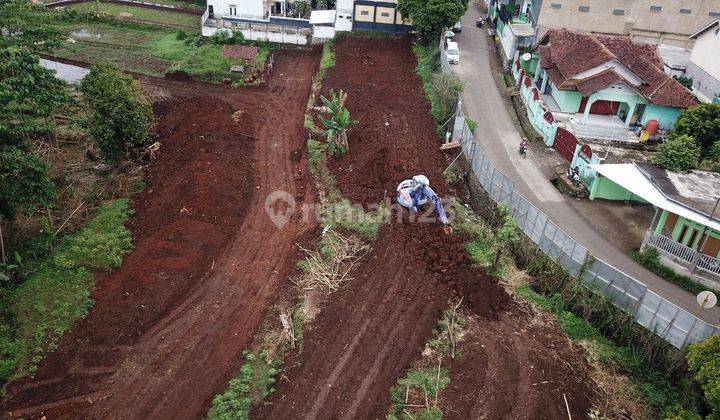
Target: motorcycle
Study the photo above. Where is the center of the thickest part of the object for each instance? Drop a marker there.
(573, 175)
(523, 151)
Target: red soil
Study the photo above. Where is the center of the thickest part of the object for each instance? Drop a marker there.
(395, 136)
(368, 335)
(168, 328)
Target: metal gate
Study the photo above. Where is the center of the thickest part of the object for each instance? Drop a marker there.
(565, 143)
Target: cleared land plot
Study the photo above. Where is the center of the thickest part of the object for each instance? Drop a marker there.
(369, 334)
(141, 14)
(168, 328)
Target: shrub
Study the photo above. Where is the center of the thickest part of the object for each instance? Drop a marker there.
(120, 113)
(472, 125)
(328, 56)
(680, 153)
(701, 123)
(650, 259)
(704, 360)
(57, 292)
(24, 181)
(253, 384)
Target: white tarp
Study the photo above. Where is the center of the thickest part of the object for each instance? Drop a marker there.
(628, 176)
(322, 17)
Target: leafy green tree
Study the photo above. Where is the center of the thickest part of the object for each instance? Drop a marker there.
(431, 16)
(701, 122)
(680, 153)
(31, 26)
(337, 125)
(29, 95)
(23, 181)
(685, 81)
(120, 113)
(704, 360)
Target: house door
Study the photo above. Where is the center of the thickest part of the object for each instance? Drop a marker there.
(565, 143)
(637, 117)
(211, 13)
(712, 246)
(600, 107)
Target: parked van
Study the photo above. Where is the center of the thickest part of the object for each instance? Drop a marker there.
(453, 52)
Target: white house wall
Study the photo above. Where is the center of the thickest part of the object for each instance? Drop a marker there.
(264, 35)
(251, 9)
(704, 66)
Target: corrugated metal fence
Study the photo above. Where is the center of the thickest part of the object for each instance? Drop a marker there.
(674, 324)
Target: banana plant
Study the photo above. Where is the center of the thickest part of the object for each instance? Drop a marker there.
(337, 124)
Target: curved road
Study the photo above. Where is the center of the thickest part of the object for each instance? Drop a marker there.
(499, 138)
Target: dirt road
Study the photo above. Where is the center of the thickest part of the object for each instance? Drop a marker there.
(368, 335)
(168, 328)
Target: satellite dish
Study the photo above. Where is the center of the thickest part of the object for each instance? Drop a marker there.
(526, 57)
(706, 299)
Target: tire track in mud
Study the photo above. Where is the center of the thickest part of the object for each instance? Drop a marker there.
(368, 335)
(166, 342)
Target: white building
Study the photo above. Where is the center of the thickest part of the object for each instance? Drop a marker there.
(704, 65)
(244, 9)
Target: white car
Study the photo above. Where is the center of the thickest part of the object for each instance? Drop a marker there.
(453, 52)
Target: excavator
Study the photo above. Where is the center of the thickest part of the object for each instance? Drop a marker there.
(414, 193)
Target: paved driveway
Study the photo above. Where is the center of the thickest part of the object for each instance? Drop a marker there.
(500, 138)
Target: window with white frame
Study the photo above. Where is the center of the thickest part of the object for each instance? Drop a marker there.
(233, 10)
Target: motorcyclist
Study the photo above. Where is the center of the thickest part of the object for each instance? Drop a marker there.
(524, 144)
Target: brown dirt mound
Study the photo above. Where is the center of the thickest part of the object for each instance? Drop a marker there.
(517, 367)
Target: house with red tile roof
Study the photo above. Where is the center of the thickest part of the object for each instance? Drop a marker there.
(600, 78)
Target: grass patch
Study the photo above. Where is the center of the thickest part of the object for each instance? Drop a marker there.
(204, 62)
(149, 50)
(142, 14)
(327, 60)
(56, 293)
(441, 89)
(253, 384)
(472, 124)
(416, 395)
(451, 173)
(355, 219)
(508, 79)
(650, 259)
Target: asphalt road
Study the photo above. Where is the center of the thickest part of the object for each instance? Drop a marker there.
(500, 138)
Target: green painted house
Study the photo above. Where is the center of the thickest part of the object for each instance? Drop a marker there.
(686, 226)
(607, 79)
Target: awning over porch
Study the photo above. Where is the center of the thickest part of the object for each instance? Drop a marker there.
(631, 178)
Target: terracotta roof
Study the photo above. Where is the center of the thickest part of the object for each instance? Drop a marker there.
(598, 82)
(245, 52)
(565, 54)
